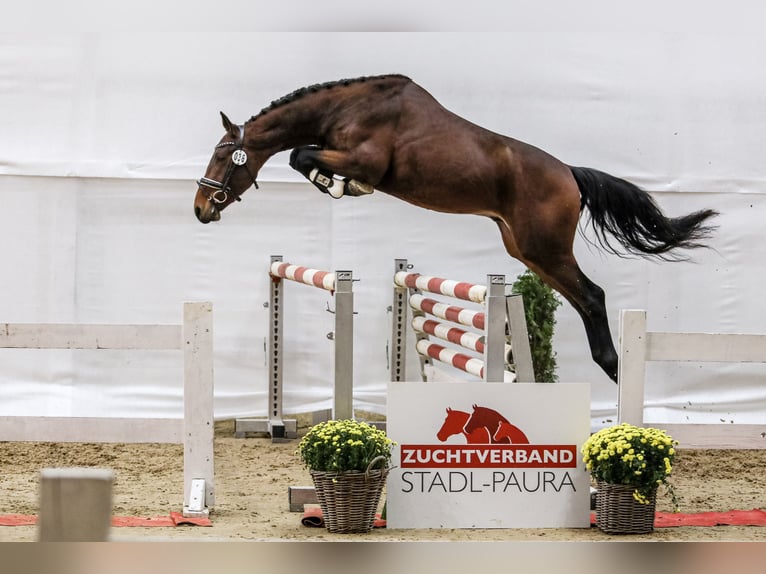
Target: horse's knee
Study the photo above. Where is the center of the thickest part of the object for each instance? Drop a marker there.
(302, 159)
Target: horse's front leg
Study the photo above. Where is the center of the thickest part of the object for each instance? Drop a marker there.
(320, 166)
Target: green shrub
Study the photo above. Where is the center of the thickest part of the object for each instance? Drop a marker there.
(540, 304)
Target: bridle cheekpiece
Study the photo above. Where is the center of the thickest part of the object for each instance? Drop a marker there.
(221, 189)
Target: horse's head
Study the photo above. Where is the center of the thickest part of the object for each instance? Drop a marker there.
(453, 424)
(231, 171)
(475, 420)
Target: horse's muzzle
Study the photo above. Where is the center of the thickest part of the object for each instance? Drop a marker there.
(206, 211)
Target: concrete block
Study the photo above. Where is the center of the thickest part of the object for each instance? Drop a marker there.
(75, 505)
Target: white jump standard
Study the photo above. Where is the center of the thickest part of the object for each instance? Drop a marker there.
(339, 283)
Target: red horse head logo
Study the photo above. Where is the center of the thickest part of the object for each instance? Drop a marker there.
(482, 426)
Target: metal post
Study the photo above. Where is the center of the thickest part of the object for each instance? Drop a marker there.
(399, 327)
(425, 361)
(517, 327)
(494, 329)
(343, 402)
(276, 422)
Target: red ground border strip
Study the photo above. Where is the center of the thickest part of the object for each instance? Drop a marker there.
(753, 517)
(172, 519)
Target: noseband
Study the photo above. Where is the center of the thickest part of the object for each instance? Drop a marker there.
(221, 189)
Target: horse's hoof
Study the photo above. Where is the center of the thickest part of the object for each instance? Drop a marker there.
(357, 188)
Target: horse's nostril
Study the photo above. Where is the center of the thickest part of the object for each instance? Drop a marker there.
(197, 211)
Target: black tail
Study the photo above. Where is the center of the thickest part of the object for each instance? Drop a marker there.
(634, 219)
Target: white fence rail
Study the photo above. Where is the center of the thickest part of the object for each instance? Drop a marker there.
(194, 429)
(637, 346)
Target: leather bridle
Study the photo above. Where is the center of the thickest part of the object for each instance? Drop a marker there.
(219, 190)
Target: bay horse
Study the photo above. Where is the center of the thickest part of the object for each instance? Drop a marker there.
(390, 134)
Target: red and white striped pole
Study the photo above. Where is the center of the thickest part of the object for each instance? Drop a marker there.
(447, 312)
(458, 289)
(460, 361)
(306, 275)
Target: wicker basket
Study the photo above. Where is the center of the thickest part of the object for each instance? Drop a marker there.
(349, 500)
(617, 512)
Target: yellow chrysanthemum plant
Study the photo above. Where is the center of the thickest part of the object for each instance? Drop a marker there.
(636, 456)
(344, 445)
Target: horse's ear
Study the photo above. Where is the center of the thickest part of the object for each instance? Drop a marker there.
(449, 410)
(229, 126)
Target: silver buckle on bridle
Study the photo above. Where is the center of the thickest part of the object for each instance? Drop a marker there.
(218, 187)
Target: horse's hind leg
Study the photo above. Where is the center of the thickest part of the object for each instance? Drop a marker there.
(592, 310)
(589, 301)
(558, 268)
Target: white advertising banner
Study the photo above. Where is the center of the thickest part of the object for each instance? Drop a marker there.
(104, 133)
(479, 455)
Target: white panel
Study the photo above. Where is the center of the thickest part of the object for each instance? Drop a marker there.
(91, 429)
(716, 436)
(80, 336)
(711, 347)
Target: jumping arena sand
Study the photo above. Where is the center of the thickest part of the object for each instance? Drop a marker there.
(253, 475)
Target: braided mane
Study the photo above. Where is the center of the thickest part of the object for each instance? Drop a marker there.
(300, 92)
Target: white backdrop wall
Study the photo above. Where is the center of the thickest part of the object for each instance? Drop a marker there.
(103, 135)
